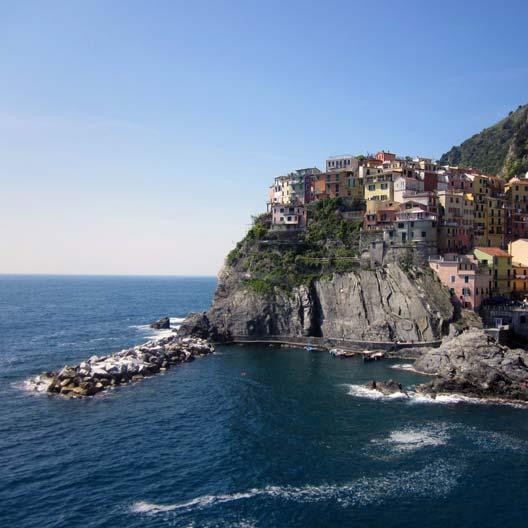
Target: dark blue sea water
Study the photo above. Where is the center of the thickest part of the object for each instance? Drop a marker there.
(252, 436)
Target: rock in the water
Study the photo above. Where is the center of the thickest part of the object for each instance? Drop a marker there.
(386, 387)
(474, 364)
(161, 324)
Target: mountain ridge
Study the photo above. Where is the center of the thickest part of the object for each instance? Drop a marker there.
(501, 149)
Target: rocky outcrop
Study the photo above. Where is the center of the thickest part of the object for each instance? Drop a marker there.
(474, 365)
(384, 304)
(161, 324)
(130, 365)
(387, 387)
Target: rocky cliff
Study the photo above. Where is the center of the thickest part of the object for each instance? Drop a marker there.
(474, 365)
(385, 304)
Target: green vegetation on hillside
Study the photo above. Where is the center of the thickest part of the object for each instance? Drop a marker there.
(500, 149)
(276, 259)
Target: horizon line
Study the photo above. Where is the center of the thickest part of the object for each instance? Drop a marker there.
(37, 274)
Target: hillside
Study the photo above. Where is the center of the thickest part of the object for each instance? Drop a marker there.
(316, 284)
(269, 259)
(501, 149)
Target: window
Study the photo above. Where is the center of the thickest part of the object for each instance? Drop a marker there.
(453, 278)
(371, 187)
(466, 292)
(424, 234)
(466, 279)
(522, 319)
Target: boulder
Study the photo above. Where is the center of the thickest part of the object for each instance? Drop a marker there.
(161, 324)
(473, 364)
(386, 387)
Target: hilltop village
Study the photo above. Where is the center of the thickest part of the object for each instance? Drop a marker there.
(469, 227)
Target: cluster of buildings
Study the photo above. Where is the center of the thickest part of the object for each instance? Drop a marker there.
(469, 225)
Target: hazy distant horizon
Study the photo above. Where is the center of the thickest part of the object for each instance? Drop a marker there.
(139, 138)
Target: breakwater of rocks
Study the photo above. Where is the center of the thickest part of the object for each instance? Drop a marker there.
(100, 373)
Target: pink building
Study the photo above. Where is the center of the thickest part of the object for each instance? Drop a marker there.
(469, 280)
(288, 217)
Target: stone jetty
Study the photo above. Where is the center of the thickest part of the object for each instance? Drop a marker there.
(99, 373)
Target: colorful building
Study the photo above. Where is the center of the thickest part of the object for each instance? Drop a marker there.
(341, 162)
(468, 280)
(416, 226)
(385, 156)
(288, 217)
(518, 249)
(455, 229)
(343, 184)
(495, 220)
(520, 279)
(517, 191)
(404, 185)
(500, 263)
(379, 187)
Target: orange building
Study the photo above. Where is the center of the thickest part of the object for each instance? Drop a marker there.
(385, 156)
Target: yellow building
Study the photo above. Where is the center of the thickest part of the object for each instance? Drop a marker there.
(379, 187)
(500, 263)
(520, 279)
(518, 249)
(517, 192)
(479, 196)
(495, 221)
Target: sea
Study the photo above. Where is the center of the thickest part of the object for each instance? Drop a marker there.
(252, 436)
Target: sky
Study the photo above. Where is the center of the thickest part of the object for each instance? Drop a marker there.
(138, 137)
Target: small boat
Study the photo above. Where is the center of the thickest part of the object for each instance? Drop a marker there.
(337, 352)
(310, 348)
(372, 356)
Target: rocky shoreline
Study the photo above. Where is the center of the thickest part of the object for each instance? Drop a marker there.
(100, 373)
(473, 365)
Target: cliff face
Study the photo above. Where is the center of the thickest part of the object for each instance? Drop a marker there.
(386, 304)
(500, 149)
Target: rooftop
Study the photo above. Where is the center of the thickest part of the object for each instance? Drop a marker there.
(494, 251)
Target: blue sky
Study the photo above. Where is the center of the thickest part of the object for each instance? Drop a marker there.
(139, 137)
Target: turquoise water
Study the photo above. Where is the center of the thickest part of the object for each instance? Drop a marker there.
(252, 436)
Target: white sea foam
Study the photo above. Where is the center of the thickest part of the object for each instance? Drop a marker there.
(409, 367)
(153, 334)
(412, 397)
(435, 479)
(412, 439)
(361, 391)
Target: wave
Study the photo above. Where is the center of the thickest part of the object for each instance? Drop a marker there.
(435, 479)
(152, 333)
(413, 397)
(408, 367)
(409, 439)
(199, 502)
(361, 391)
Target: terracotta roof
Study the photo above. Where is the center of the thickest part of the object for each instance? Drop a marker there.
(494, 251)
(517, 181)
